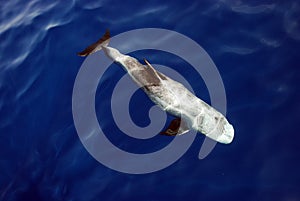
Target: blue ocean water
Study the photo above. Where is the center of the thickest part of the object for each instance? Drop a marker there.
(254, 44)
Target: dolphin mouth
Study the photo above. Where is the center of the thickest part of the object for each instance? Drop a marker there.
(222, 134)
(227, 135)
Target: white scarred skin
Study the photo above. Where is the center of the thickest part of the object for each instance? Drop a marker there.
(174, 98)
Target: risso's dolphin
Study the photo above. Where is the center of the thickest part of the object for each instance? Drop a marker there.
(169, 95)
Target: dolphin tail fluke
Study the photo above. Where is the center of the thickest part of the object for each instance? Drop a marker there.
(103, 41)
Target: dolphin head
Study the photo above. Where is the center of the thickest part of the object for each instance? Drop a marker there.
(216, 128)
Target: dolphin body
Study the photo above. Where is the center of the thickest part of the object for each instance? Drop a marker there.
(169, 95)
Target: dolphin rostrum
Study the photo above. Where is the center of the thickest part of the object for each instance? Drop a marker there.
(169, 95)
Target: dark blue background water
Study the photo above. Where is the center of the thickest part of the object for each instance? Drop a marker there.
(254, 44)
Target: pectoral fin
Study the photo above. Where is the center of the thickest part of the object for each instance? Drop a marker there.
(176, 127)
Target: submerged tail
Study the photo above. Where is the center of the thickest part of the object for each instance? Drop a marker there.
(103, 41)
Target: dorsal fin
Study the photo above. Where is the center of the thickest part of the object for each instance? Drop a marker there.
(103, 41)
(158, 74)
(151, 68)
